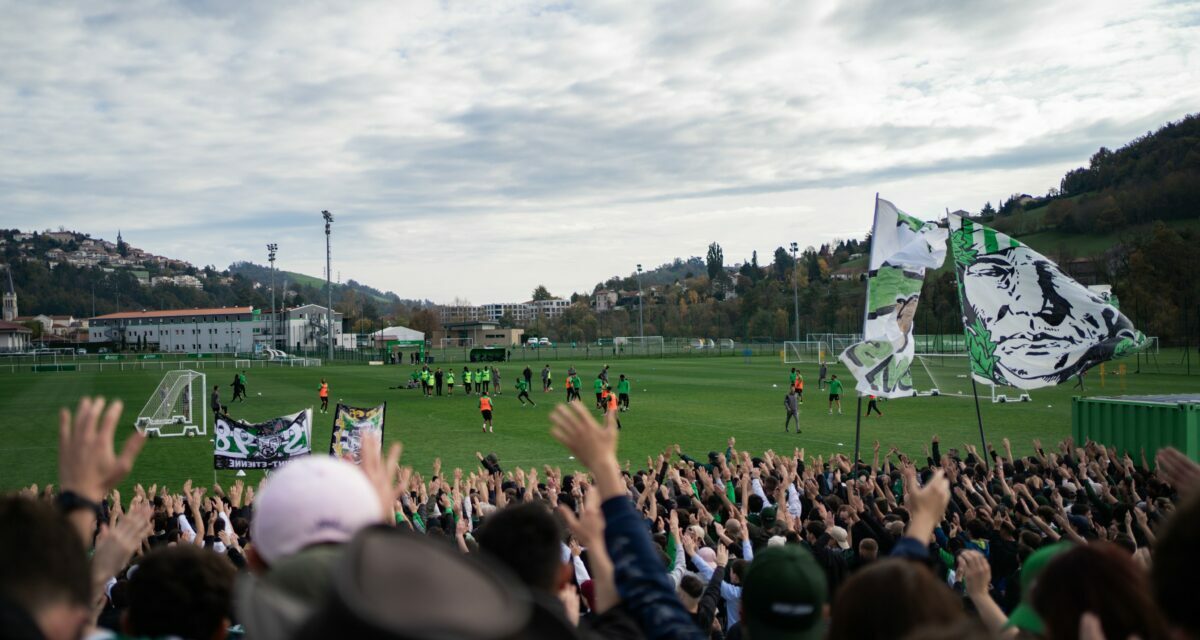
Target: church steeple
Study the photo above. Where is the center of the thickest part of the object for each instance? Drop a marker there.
(10, 298)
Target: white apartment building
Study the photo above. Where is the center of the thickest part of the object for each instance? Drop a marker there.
(218, 330)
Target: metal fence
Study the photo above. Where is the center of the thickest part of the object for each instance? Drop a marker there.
(156, 364)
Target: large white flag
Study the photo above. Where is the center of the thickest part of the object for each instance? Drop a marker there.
(902, 247)
(1028, 324)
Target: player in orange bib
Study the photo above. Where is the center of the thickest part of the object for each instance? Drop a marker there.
(799, 386)
(323, 393)
(485, 408)
(612, 405)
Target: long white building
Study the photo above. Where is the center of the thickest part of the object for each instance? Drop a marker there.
(218, 330)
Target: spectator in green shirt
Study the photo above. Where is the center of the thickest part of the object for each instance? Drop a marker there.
(835, 394)
(598, 386)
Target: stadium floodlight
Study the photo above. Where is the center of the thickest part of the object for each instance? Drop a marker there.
(271, 249)
(796, 288)
(328, 282)
(641, 331)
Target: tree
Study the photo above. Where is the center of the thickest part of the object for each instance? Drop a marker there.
(715, 261)
(987, 211)
(425, 321)
(783, 264)
(542, 293)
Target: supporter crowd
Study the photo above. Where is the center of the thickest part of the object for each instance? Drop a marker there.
(1075, 541)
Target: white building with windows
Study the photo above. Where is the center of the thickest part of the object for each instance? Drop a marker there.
(551, 308)
(217, 330)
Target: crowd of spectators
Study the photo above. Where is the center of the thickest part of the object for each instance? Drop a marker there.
(1074, 541)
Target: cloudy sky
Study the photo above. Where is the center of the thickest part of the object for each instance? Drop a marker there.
(477, 149)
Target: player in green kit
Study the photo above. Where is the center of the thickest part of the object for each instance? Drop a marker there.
(523, 392)
(467, 380)
(576, 385)
(487, 379)
(835, 394)
(479, 382)
(623, 393)
(598, 386)
(450, 382)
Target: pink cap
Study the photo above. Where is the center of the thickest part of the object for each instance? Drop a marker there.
(316, 499)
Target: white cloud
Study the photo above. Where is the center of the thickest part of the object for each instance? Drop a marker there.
(479, 149)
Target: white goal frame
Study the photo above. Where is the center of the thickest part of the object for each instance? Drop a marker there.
(806, 352)
(997, 398)
(726, 343)
(172, 409)
(639, 341)
(243, 364)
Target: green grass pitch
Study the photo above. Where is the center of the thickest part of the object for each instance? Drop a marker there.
(696, 402)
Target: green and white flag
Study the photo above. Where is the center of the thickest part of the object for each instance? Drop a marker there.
(902, 247)
(349, 426)
(266, 445)
(1028, 324)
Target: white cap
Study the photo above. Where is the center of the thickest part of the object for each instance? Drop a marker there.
(776, 541)
(309, 501)
(840, 537)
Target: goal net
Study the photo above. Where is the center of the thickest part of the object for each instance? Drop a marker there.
(806, 351)
(639, 344)
(176, 408)
(948, 374)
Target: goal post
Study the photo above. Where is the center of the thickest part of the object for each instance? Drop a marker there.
(948, 374)
(639, 344)
(177, 407)
(806, 352)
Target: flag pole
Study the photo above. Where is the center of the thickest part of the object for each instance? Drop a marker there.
(866, 310)
(979, 419)
(857, 431)
(970, 370)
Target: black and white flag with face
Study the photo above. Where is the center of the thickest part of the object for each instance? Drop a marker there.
(1028, 324)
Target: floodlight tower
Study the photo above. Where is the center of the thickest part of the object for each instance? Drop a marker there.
(641, 331)
(328, 282)
(796, 288)
(271, 249)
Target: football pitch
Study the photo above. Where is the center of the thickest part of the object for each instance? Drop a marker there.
(695, 402)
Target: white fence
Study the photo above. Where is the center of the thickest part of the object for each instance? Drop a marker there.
(158, 365)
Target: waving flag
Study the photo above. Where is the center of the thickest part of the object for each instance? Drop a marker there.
(902, 247)
(1028, 324)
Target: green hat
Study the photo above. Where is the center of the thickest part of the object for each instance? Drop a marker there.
(1024, 617)
(784, 595)
(768, 516)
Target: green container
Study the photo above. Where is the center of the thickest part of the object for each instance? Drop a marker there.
(1134, 423)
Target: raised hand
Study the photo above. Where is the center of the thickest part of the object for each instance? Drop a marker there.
(593, 445)
(1178, 470)
(588, 527)
(976, 573)
(87, 464)
(116, 545)
(381, 473)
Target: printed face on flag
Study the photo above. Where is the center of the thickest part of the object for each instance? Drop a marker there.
(1031, 318)
(1026, 323)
